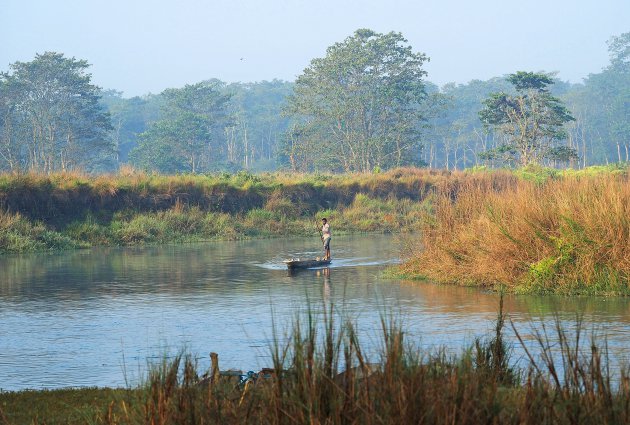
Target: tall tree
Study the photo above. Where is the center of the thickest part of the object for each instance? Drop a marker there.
(189, 133)
(619, 50)
(11, 127)
(51, 116)
(614, 83)
(531, 121)
(129, 117)
(602, 108)
(360, 105)
(257, 126)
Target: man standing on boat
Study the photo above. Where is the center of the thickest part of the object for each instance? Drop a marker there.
(326, 238)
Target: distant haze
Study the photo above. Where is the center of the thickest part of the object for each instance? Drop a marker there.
(142, 46)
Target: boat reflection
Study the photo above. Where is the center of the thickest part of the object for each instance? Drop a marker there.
(317, 271)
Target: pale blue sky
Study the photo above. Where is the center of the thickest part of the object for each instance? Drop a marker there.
(142, 46)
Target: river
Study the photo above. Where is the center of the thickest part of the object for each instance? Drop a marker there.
(97, 317)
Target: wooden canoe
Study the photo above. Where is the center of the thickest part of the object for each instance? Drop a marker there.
(305, 264)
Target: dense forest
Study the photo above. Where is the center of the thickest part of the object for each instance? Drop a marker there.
(367, 105)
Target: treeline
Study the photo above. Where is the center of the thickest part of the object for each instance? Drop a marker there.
(599, 133)
(366, 105)
(208, 126)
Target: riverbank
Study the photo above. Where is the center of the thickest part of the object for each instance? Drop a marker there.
(564, 233)
(72, 210)
(66, 211)
(322, 375)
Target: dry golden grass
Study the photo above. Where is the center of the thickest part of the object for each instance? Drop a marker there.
(70, 195)
(76, 209)
(567, 233)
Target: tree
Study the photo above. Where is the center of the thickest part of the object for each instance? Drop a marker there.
(130, 117)
(617, 107)
(359, 107)
(51, 116)
(456, 136)
(172, 146)
(11, 128)
(619, 50)
(602, 108)
(186, 139)
(531, 121)
(257, 125)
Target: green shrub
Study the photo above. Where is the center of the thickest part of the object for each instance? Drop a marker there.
(144, 228)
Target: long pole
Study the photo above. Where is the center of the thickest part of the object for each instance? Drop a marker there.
(321, 235)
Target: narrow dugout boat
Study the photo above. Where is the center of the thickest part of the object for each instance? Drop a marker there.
(293, 263)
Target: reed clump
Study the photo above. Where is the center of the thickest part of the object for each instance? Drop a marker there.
(567, 234)
(18, 234)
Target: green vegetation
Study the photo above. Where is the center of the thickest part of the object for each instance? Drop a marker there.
(185, 139)
(67, 406)
(50, 116)
(544, 231)
(64, 211)
(322, 374)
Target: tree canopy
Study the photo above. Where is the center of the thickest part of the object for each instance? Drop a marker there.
(364, 105)
(359, 107)
(531, 121)
(50, 116)
(187, 137)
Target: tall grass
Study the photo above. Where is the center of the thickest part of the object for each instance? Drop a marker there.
(568, 234)
(61, 198)
(323, 375)
(18, 234)
(74, 210)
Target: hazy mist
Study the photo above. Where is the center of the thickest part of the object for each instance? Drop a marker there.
(146, 46)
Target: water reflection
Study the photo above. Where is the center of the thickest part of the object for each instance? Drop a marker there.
(93, 317)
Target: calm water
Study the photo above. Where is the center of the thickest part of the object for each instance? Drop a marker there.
(96, 317)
